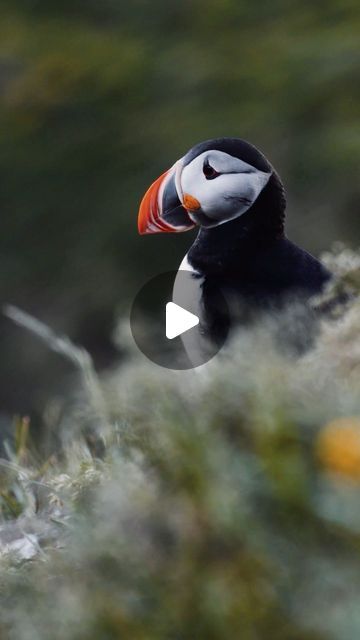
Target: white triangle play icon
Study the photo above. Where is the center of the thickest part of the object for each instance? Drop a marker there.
(178, 320)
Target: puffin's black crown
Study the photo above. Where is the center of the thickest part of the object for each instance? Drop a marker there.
(235, 147)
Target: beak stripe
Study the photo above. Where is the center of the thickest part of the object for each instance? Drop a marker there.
(149, 220)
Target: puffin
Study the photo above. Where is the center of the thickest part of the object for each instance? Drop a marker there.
(228, 189)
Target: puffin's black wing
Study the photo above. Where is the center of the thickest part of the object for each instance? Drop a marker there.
(280, 276)
(284, 267)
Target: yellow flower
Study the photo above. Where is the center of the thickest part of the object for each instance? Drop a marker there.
(338, 446)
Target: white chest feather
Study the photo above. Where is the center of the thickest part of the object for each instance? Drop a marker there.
(187, 292)
(189, 289)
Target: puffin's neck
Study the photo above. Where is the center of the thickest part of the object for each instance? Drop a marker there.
(227, 246)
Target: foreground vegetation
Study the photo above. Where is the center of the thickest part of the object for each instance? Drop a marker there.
(216, 503)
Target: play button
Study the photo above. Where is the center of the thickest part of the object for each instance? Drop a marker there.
(178, 320)
(170, 324)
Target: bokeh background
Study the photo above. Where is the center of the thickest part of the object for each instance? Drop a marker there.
(163, 505)
(98, 98)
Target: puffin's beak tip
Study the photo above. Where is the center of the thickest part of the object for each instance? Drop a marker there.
(149, 215)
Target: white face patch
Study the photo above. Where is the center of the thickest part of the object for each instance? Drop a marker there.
(226, 196)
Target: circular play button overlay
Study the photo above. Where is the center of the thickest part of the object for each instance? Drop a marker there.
(179, 321)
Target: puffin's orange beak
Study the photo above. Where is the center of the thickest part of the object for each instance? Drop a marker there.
(161, 210)
(149, 220)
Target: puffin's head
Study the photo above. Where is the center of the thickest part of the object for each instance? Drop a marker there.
(215, 182)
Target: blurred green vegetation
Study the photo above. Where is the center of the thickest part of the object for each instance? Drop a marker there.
(224, 503)
(96, 99)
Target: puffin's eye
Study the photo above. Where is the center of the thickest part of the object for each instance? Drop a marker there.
(209, 172)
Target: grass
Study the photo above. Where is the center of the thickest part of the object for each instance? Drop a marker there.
(222, 502)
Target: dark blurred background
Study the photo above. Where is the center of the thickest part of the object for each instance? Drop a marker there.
(98, 98)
